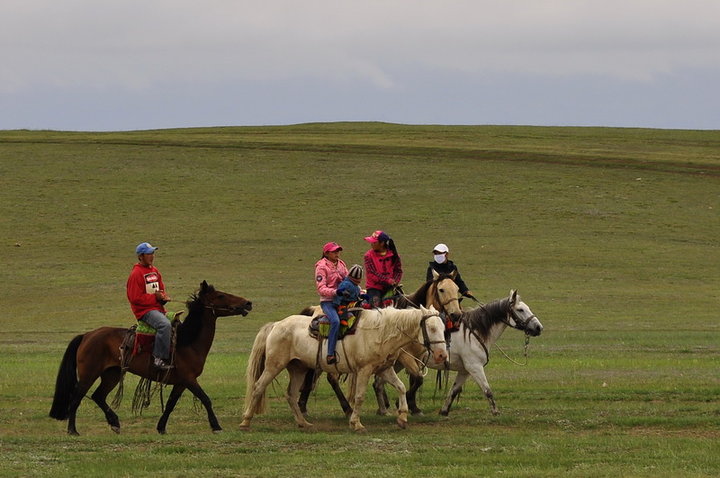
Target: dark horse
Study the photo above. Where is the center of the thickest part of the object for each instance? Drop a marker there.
(97, 354)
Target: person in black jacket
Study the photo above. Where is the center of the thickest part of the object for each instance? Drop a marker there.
(442, 265)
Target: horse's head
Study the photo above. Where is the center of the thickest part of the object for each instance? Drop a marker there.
(222, 303)
(521, 317)
(432, 334)
(444, 295)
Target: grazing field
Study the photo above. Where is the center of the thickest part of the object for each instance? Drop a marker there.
(611, 236)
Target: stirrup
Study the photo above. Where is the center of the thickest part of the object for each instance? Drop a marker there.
(160, 364)
(331, 359)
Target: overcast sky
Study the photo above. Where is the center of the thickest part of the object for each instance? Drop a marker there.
(124, 65)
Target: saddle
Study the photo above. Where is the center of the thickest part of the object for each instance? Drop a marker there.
(141, 337)
(320, 325)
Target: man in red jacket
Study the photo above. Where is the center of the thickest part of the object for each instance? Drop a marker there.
(146, 293)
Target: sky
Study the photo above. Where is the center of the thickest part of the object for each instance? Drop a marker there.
(94, 65)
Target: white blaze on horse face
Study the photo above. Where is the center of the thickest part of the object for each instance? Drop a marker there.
(436, 335)
(530, 323)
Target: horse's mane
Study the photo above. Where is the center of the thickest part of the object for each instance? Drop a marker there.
(389, 320)
(419, 297)
(190, 328)
(481, 319)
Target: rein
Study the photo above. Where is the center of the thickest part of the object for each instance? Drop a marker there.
(427, 343)
(518, 326)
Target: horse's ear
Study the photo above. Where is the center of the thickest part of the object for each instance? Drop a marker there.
(435, 274)
(513, 296)
(203, 286)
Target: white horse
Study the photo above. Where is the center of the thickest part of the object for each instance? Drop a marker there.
(442, 293)
(374, 347)
(469, 349)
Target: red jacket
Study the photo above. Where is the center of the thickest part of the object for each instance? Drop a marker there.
(382, 272)
(141, 287)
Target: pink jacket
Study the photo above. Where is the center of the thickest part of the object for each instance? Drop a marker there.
(328, 276)
(380, 271)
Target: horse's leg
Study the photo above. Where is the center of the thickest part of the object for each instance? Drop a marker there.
(297, 377)
(412, 365)
(85, 381)
(478, 373)
(306, 389)
(454, 392)
(257, 392)
(381, 396)
(335, 384)
(108, 380)
(391, 377)
(205, 400)
(361, 379)
(175, 394)
(416, 381)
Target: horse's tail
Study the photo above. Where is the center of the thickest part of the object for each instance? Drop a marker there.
(66, 381)
(255, 368)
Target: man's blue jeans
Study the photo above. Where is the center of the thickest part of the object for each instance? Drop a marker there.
(158, 321)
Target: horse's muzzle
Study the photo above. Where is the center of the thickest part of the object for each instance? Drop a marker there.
(534, 330)
(244, 309)
(440, 356)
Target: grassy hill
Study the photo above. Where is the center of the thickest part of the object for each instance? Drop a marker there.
(610, 235)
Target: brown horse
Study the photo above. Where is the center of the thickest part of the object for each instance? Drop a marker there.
(96, 354)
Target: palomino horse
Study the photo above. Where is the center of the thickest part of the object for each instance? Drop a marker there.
(96, 354)
(442, 293)
(469, 347)
(380, 335)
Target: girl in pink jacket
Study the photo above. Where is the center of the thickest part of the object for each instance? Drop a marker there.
(383, 268)
(329, 272)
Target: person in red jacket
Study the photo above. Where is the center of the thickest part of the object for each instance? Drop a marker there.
(383, 268)
(147, 297)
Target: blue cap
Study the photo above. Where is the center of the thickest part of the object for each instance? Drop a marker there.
(145, 248)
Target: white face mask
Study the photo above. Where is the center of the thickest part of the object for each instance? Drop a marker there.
(440, 258)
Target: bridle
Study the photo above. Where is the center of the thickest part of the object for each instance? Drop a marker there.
(520, 324)
(427, 343)
(221, 309)
(443, 305)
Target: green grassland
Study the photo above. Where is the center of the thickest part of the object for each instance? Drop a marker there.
(610, 235)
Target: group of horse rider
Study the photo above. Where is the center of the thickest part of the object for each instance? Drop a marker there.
(338, 286)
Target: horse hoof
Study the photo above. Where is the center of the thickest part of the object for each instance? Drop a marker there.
(217, 430)
(73, 433)
(360, 430)
(402, 423)
(382, 413)
(418, 412)
(444, 412)
(116, 429)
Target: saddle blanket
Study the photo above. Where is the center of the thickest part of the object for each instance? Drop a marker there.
(320, 325)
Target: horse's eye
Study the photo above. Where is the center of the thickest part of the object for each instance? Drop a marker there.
(221, 296)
